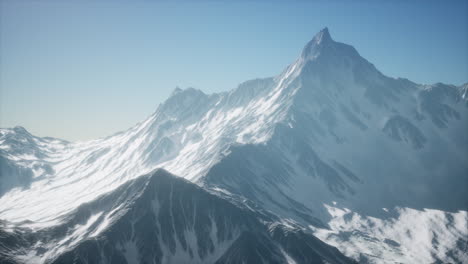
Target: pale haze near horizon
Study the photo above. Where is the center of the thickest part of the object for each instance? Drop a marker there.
(82, 70)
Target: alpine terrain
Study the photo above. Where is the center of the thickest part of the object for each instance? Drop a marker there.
(328, 162)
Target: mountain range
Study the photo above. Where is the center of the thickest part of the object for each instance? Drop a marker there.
(330, 161)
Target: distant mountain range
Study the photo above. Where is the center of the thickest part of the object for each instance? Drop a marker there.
(329, 162)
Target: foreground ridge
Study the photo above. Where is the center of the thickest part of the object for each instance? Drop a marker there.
(160, 218)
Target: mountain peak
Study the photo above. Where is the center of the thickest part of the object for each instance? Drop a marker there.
(322, 36)
(316, 45)
(176, 91)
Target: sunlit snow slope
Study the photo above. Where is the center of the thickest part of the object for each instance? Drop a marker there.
(330, 144)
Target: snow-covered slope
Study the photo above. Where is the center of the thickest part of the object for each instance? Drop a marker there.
(355, 136)
(186, 135)
(357, 140)
(405, 236)
(160, 218)
(329, 134)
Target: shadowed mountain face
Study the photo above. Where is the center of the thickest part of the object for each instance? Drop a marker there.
(331, 148)
(159, 218)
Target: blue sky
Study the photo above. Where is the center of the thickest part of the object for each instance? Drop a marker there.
(86, 69)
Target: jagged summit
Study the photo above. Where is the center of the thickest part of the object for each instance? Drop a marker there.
(187, 90)
(319, 41)
(322, 36)
(184, 101)
(323, 48)
(176, 90)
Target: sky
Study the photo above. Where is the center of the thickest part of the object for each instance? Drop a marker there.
(80, 70)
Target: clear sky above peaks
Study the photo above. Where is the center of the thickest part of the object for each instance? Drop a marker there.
(86, 69)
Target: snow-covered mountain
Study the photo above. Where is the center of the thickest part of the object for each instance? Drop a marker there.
(159, 218)
(375, 166)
